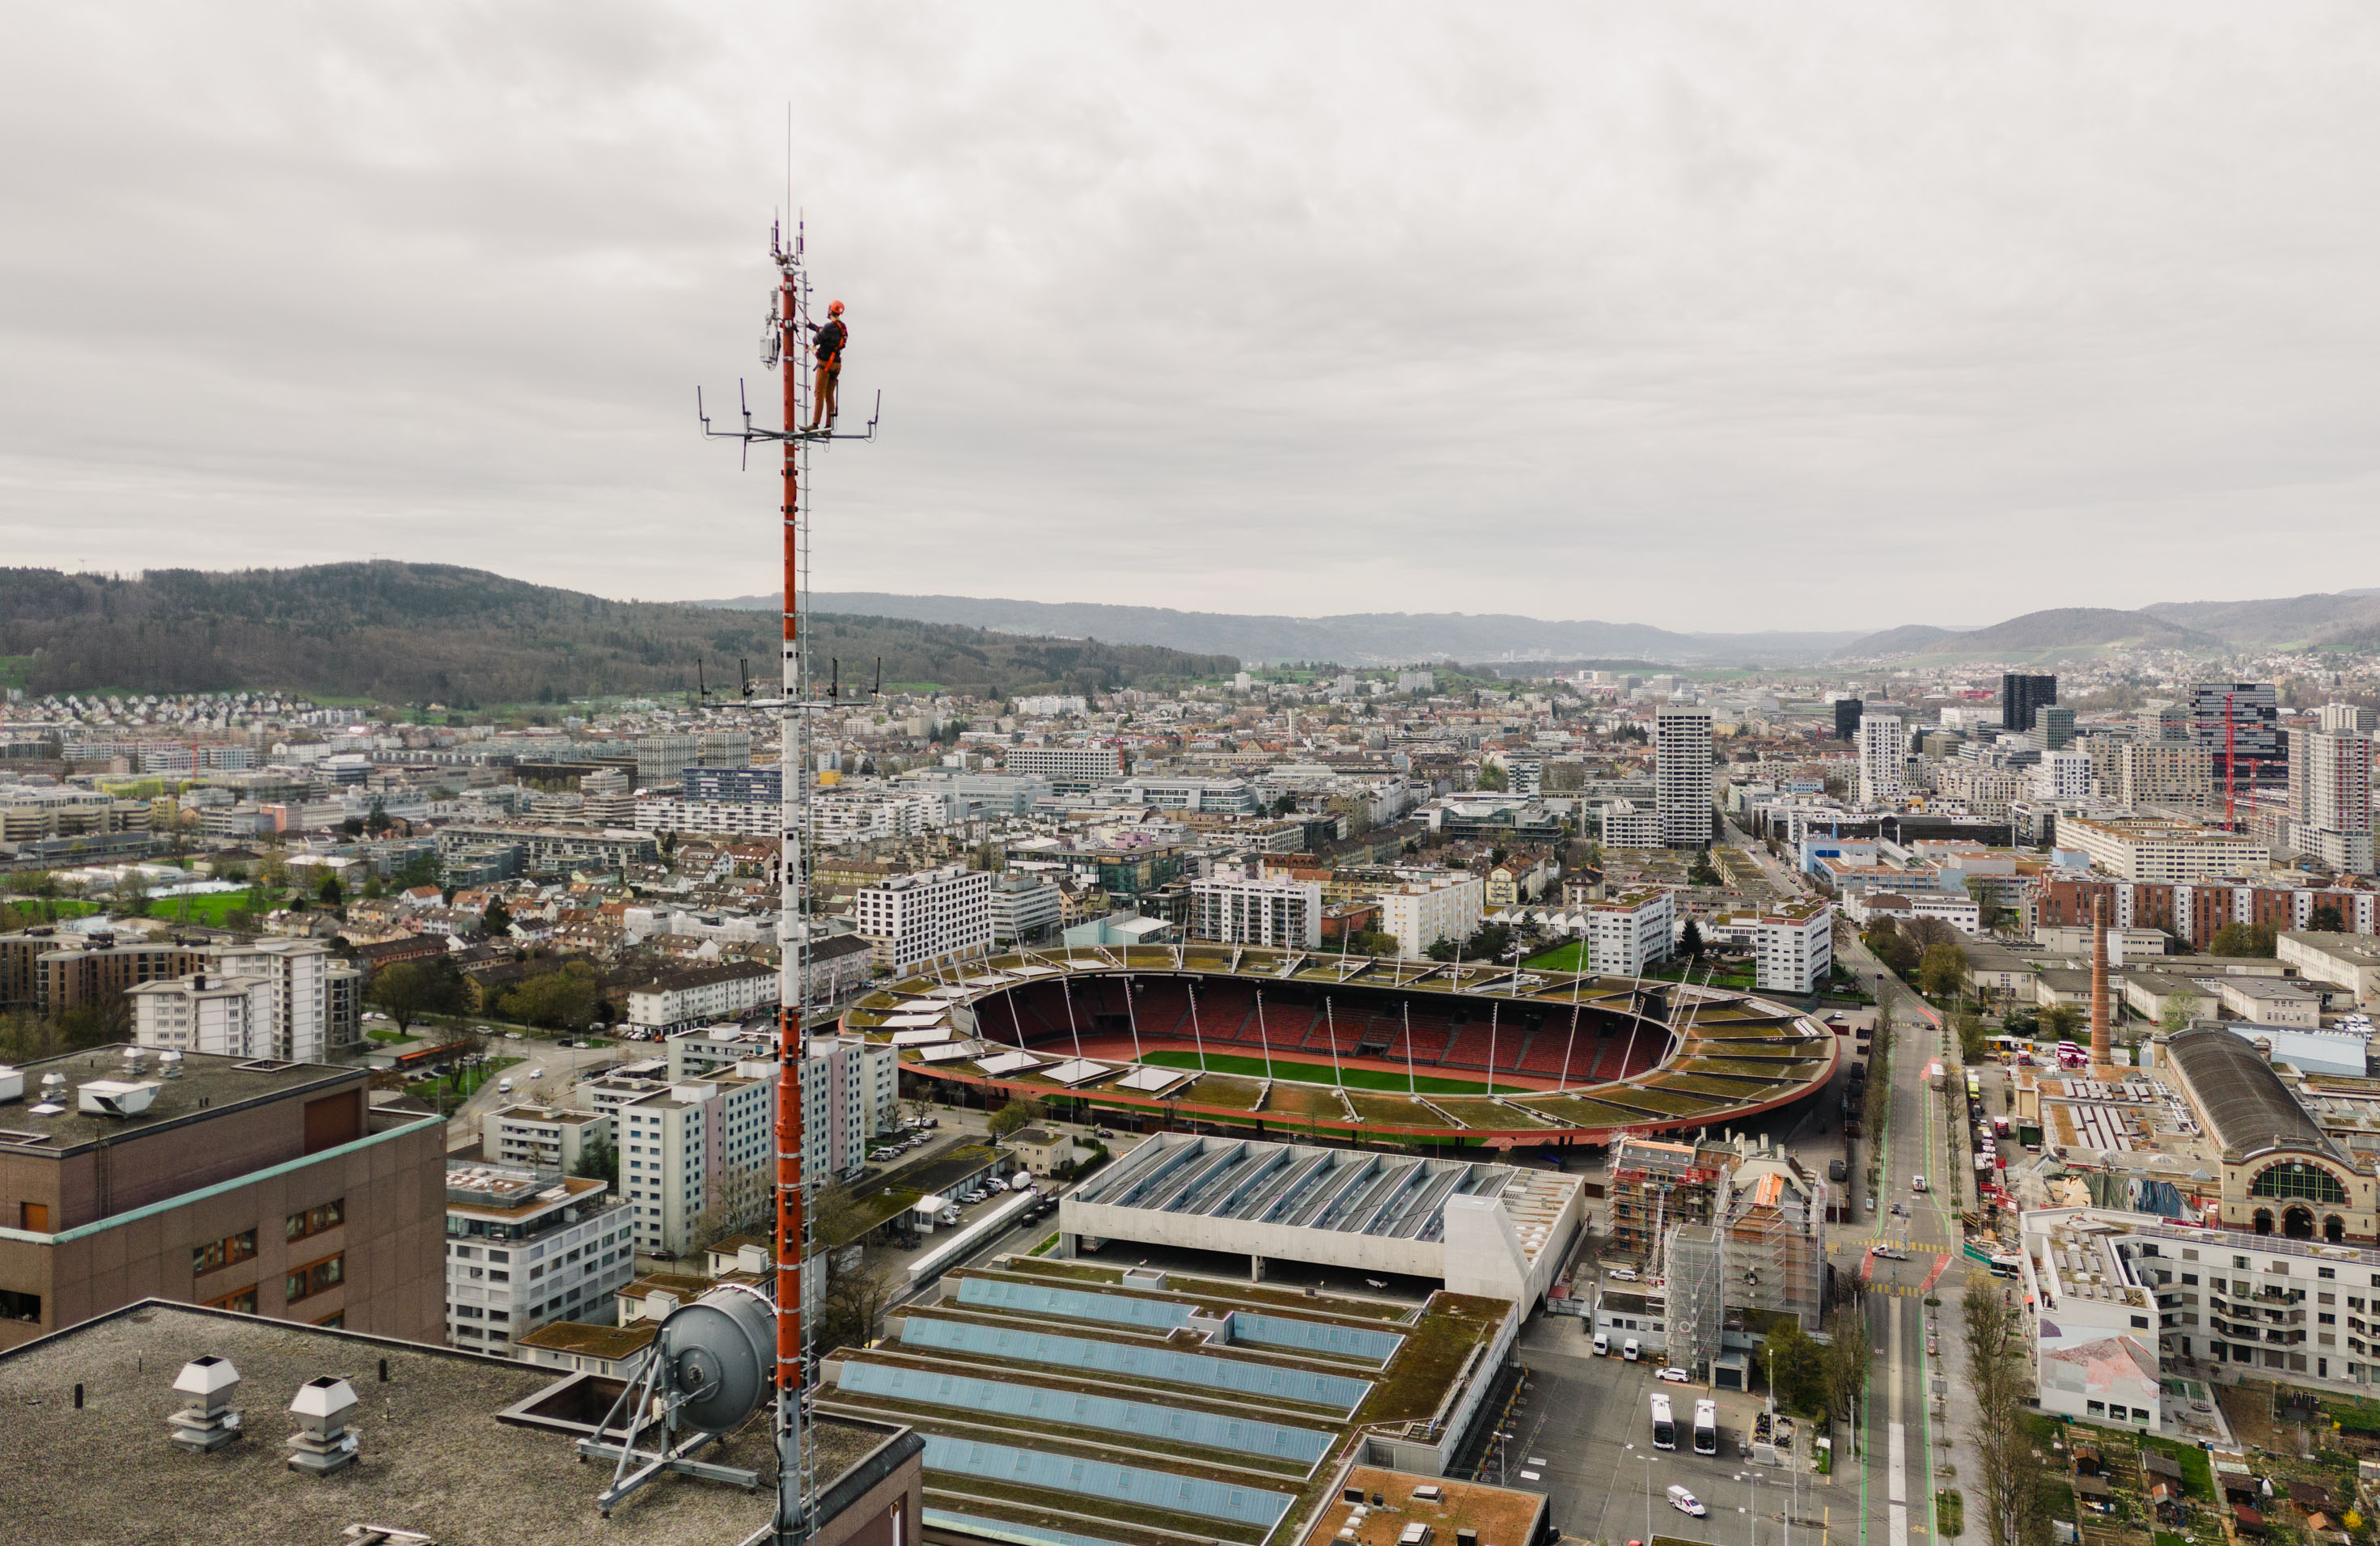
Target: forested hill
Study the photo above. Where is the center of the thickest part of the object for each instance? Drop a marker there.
(414, 633)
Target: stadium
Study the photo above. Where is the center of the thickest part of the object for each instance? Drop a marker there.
(1294, 1042)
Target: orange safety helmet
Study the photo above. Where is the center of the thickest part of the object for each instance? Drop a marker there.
(835, 308)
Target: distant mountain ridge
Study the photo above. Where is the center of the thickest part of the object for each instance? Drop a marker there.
(416, 633)
(1352, 639)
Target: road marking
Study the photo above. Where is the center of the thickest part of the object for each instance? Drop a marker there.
(1936, 1275)
(1528, 1476)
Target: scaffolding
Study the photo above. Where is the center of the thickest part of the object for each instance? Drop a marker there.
(1773, 1223)
(1697, 1256)
(1655, 1184)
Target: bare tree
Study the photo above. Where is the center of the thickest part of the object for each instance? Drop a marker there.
(1997, 1381)
(1845, 1366)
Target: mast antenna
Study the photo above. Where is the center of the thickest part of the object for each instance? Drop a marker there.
(786, 347)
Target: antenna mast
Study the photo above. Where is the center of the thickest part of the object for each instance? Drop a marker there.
(786, 347)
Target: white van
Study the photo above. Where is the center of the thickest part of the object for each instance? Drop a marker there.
(1917, 1184)
(1602, 1345)
(503, 1086)
(1627, 1349)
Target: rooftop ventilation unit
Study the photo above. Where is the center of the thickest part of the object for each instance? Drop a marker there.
(169, 1064)
(115, 1097)
(136, 1062)
(709, 1368)
(53, 1086)
(323, 1443)
(208, 1422)
(12, 1083)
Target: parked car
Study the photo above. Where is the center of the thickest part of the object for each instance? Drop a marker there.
(1602, 1344)
(1674, 1376)
(1621, 1275)
(1631, 1349)
(509, 1036)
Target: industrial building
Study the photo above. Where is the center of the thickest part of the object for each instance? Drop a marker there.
(1482, 1229)
(1154, 1407)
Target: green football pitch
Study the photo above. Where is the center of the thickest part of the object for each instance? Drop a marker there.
(1321, 1073)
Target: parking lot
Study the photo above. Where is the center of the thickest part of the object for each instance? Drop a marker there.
(1582, 1425)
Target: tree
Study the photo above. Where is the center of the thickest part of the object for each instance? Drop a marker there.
(1895, 949)
(1019, 1114)
(569, 998)
(1989, 915)
(328, 893)
(836, 1218)
(1971, 1036)
(1995, 1380)
(2326, 919)
(420, 870)
(497, 922)
(1795, 1365)
(854, 1303)
(2181, 1012)
(1690, 940)
(1286, 805)
(1700, 870)
(1928, 933)
(403, 990)
(132, 894)
(1943, 972)
(2059, 1021)
(598, 1162)
(1844, 1363)
(2243, 939)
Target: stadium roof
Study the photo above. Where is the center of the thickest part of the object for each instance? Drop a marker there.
(2245, 1102)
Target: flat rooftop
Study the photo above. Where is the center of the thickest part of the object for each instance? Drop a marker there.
(207, 1086)
(1350, 1191)
(434, 1456)
(1501, 1515)
(1135, 1407)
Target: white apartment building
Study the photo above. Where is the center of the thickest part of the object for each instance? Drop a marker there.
(2062, 775)
(862, 1082)
(523, 1250)
(1229, 797)
(750, 819)
(841, 816)
(542, 1137)
(702, 1150)
(1682, 773)
(1427, 911)
(926, 919)
(1796, 946)
(2161, 850)
(1626, 824)
(1273, 912)
(2348, 719)
(291, 1000)
(2163, 773)
(1025, 906)
(1883, 757)
(1627, 934)
(2330, 795)
(1069, 769)
(701, 996)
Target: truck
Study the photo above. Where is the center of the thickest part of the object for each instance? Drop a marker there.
(1664, 1428)
(1705, 1427)
(1934, 1076)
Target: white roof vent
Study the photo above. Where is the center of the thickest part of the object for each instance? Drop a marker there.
(115, 1097)
(208, 1422)
(323, 1443)
(169, 1062)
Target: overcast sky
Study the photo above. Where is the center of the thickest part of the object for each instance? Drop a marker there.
(1714, 317)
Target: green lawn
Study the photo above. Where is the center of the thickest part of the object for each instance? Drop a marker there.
(2197, 1471)
(1316, 1072)
(461, 1084)
(210, 909)
(1566, 958)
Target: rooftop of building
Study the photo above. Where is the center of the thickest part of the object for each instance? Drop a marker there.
(555, 1115)
(1495, 1515)
(435, 1455)
(2358, 949)
(2243, 1102)
(1224, 1405)
(486, 1191)
(589, 1339)
(206, 1087)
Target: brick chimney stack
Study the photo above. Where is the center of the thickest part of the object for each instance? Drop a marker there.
(2102, 1041)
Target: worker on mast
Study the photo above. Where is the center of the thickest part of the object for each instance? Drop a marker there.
(827, 340)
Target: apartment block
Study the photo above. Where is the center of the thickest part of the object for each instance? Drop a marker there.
(2163, 773)
(1269, 912)
(1629, 932)
(1683, 773)
(542, 1137)
(1069, 769)
(525, 1249)
(1425, 912)
(1883, 756)
(1025, 906)
(2144, 849)
(702, 996)
(699, 1151)
(931, 918)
